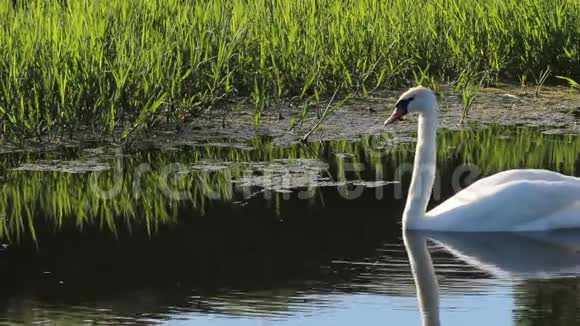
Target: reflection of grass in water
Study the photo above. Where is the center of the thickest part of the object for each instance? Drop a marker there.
(501, 148)
(547, 302)
(68, 198)
(63, 196)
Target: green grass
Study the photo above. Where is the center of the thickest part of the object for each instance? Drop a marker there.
(116, 68)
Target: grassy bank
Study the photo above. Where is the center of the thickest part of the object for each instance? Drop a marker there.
(122, 65)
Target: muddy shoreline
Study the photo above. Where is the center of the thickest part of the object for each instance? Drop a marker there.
(556, 110)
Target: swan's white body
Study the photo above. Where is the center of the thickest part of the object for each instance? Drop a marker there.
(515, 200)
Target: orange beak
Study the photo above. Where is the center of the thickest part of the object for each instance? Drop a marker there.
(397, 115)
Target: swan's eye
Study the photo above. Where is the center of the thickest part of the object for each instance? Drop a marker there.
(403, 104)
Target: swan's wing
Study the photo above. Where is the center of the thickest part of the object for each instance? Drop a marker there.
(505, 203)
(523, 175)
(506, 182)
(565, 218)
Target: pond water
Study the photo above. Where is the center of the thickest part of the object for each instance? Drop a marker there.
(248, 233)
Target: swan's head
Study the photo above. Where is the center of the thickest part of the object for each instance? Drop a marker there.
(417, 99)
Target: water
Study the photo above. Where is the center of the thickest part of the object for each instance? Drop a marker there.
(248, 233)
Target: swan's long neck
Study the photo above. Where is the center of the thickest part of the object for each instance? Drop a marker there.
(424, 277)
(423, 172)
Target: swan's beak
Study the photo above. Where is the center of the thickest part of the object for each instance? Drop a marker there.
(397, 115)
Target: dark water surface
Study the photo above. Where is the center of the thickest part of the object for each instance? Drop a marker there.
(248, 233)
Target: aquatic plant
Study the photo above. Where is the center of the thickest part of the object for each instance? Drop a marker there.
(573, 84)
(468, 95)
(541, 80)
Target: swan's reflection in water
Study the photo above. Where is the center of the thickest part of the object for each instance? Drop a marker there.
(529, 259)
(514, 279)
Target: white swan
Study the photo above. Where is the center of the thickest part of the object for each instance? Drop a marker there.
(515, 200)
